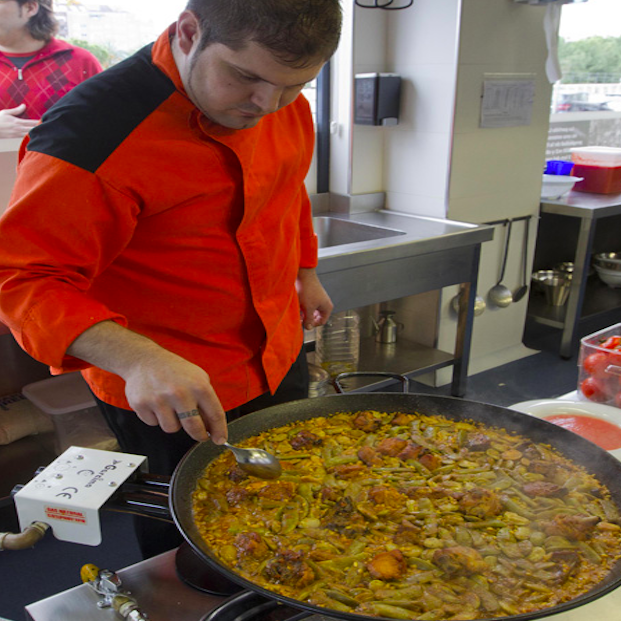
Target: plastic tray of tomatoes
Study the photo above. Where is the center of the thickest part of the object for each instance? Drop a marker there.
(599, 378)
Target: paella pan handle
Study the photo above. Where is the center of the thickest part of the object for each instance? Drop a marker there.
(405, 382)
(147, 494)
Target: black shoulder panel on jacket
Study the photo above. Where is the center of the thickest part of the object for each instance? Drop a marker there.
(92, 120)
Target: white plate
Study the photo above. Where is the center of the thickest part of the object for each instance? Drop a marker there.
(540, 408)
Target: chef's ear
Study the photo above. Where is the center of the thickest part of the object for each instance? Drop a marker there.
(188, 31)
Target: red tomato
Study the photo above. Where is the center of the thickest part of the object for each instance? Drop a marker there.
(595, 364)
(593, 389)
(612, 342)
(614, 357)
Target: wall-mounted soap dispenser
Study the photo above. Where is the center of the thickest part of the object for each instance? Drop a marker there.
(376, 99)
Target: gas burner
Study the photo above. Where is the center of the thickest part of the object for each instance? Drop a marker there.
(192, 570)
(250, 606)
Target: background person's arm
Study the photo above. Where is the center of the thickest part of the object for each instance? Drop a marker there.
(11, 126)
(159, 383)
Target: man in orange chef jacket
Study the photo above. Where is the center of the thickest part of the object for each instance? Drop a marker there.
(159, 237)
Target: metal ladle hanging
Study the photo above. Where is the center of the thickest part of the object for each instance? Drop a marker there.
(499, 294)
(519, 293)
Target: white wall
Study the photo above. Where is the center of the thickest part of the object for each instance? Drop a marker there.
(369, 51)
(496, 173)
(409, 162)
(438, 161)
(423, 50)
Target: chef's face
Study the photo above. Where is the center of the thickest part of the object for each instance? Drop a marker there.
(13, 19)
(235, 88)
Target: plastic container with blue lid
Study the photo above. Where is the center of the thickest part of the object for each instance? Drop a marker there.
(558, 167)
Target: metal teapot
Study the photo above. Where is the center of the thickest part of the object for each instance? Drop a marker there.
(386, 328)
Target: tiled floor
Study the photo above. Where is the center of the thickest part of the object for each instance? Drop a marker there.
(541, 376)
(53, 566)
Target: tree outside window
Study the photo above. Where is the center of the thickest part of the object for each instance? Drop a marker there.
(586, 102)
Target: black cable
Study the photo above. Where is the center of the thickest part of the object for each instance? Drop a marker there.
(378, 4)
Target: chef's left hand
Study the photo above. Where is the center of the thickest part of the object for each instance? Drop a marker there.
(315, 303)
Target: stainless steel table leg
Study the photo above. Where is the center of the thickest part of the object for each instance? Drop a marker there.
(578, 287)
(465, 319)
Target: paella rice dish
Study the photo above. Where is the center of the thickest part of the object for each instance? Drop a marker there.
(408, 516)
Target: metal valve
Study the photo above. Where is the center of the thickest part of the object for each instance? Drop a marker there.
(107, 584)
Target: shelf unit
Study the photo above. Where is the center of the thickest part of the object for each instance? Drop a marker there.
(405, 357)
(432, 254)
(574, 228)
(599, 299)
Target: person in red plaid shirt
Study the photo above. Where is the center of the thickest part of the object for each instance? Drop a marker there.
(36, 69)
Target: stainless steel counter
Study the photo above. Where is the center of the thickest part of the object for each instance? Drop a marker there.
(584, 205)
(153, 583)
(429, 254)
(422, 235)
(587, 211)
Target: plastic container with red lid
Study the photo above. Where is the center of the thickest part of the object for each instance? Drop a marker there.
(600, 169)
(598, 179)
(606, 157)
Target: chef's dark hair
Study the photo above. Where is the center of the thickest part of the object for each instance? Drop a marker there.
(299, 32)
(44, 25)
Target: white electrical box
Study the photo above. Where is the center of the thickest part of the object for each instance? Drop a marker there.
(68, 494)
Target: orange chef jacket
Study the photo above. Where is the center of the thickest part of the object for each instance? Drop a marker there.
(131, 206)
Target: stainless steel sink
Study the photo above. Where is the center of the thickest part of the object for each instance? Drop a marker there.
(337, 232)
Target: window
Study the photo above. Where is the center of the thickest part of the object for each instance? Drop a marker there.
(586, 102)
(114, 30)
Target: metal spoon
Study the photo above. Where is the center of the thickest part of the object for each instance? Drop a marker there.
(518, 294)
(256, 461)
(479, 305)
(499, 294)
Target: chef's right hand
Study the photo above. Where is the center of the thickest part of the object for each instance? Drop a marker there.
(11, 126)
(162, 388)
(173, 393)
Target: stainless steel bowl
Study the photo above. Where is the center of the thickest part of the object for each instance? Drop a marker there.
(608, 260)
(566, 267)
(556, 289)
(540, 276)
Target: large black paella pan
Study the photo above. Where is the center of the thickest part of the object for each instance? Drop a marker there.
(597, 461)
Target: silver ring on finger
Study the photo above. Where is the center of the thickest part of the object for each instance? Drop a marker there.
(188, 414)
